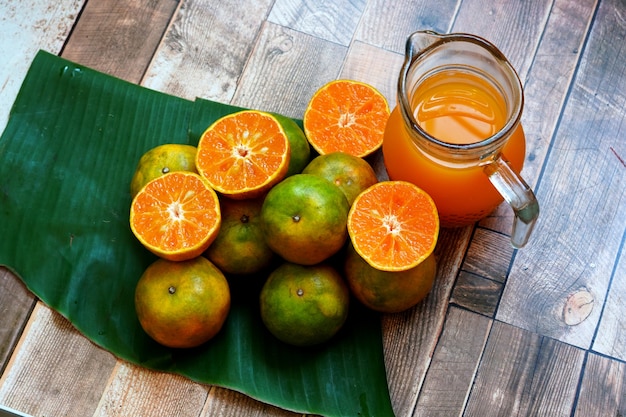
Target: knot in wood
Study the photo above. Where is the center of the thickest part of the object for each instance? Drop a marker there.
(578, 307)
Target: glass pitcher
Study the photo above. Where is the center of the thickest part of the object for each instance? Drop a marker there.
(456, 130)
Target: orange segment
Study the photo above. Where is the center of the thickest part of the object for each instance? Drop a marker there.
(393, 225)
(176, 216)
(243, 154)
(347, 116)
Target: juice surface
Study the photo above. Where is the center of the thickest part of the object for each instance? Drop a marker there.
(458, 107)
(462, 195)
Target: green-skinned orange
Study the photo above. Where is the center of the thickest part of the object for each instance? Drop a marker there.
(348, 172)
(304, 219)
(298, 143)
(304, 305)
(182, 304)
(240, 247)
(160, 160)
(388, 291)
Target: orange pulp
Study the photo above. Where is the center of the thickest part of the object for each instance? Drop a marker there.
(460, 108)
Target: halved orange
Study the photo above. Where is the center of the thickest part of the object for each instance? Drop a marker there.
(176, 216)
(393, 225)
(347, 116)
(242, 155)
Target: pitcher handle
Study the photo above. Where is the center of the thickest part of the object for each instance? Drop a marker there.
(519, 196)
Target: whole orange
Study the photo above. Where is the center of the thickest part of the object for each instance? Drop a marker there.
(170, 157)
(182, 304)
(304, 305)
(388, 291)
(304, 219)
(240, 247)
(350, 173)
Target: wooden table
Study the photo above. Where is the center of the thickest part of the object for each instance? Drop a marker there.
(540, 331)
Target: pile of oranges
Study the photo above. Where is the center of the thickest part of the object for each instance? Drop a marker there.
(252, 199)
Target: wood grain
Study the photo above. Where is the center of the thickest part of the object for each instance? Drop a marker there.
(25, 27)
(522, 373)
(389, 29)
(476, 293)
(453, 367)
(611, 335)
(16, 304)
(320, 18)
(496, 21)
(583, 198)
(129, 31)
(298, 63)
(70, 371)
(226, 403)
(603, 388)
(483, 273)
(489, 255)
(205, 48)
(132, 390)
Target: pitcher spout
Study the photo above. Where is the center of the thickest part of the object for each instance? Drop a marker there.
(420, 41)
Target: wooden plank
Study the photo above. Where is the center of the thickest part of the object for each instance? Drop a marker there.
(205, 48)
(226, 403)
(546, 84)
(611, 335)
(483, 273)
(320, 18)
(524, 374)
(128, 31)
(478, 294)
(409, 338)
(453, 367)
(603, 388)
(135, 391)
(285, 70)
(55, 371)
(25, 27)
(515, 27)
(489, 255)
(548, 79)
(405, 17)
(584, 175)
(16, 304)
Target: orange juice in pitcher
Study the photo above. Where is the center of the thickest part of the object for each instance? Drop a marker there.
(456, 132)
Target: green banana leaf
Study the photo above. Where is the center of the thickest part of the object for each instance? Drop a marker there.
(66, 158)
